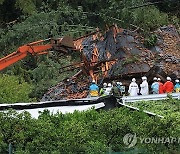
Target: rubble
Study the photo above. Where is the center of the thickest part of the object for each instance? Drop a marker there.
(119, 54)
(169, 43)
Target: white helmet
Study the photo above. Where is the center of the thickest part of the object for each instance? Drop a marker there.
(159, 79)
(93, 81)
(133, 79)
(104, 84)
(119, 83)
(168, 78)
(109, 85)
(177, 80)
(144, 78)
(155, 79)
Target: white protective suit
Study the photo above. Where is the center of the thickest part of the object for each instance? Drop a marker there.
(144, 88)
(133, 89)
(107, 90)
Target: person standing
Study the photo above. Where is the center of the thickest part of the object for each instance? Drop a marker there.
(115, 90)
(118, 84)
(161, 91)
(168, 86)
(108, 89)
(94, 89)
(177, 86)
(155, 86)
(121, 87)
(144, 86)
(133, 88)
(103, 89)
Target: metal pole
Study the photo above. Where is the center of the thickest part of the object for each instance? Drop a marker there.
(10, 148)
(110, 150)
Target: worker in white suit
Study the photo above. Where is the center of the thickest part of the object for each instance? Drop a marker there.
(133, 88)
(108, 89)
(144, 86)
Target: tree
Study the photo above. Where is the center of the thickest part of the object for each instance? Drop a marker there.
(168, 6)
(11, 10)
(14, 89)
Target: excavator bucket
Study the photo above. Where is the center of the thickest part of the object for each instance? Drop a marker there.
(63, 45)
(67, 41)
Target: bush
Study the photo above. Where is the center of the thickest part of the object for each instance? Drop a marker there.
(150, 41)
(85, 132)
(14, 89)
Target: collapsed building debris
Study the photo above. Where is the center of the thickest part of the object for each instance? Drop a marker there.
(119, 54)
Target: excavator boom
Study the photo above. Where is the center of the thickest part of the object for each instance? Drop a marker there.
(11, 59)
(63, 45)
(37, 48)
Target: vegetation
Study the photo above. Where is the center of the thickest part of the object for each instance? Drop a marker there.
(87, 132)
(14, 90)
(131, 60)
(150, 41)
(161, 107)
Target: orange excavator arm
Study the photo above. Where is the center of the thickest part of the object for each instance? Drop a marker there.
(36, 48)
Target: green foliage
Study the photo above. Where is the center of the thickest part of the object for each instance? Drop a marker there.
(26, 6)
(131, 60)
(171, 7)
(149, 18)
(85, 132)
(41, 26)
(150, 41)
(1, 1)
(43, 72)
(14, 89)
(48, 74)
(161, 107)
(146, 18)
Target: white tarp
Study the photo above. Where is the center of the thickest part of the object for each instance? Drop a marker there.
(64, 109)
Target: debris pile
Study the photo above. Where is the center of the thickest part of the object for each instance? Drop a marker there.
(118, 54)
(72, 88)
(169, 43)
(119, 51)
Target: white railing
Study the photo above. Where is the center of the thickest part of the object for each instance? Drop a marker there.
(137, 109)
(149, 97)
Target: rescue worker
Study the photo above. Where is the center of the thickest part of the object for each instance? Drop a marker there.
(133, 88)
(168, 86)
(108, 89)
(118, 84)
(161, 91)
(177, 86)
(155, 86)
(144, 86)
(115, 90)
(94, 89)
(120, 87)
(103, 89)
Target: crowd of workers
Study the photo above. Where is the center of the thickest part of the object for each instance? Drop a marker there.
(107, 89)
(157, 87)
